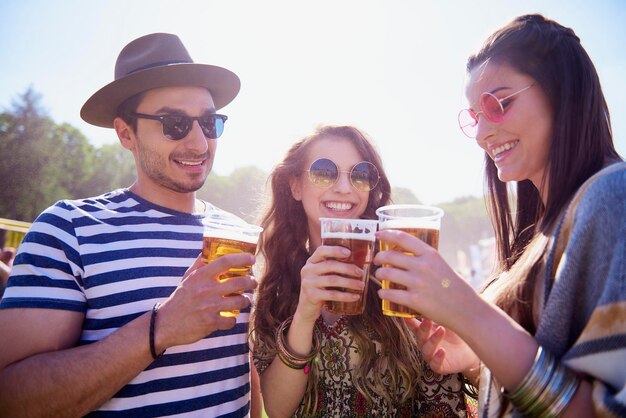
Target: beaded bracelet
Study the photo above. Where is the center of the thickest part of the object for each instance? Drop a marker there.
(547, 388)
(286, 354)
(153, 316)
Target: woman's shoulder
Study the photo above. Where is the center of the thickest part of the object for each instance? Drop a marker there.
(613, 176)
(606, 191)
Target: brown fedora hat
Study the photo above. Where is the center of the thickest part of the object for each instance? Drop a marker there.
(153, 61)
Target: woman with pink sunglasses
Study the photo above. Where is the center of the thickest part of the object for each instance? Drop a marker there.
(546, 337)
(314, 362)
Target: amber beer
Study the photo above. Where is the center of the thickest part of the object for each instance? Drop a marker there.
(420, 221)
(222, 238)
(357, 235)
(361, 256)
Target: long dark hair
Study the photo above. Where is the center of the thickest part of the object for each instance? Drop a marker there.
(581, 144)
(284, 251)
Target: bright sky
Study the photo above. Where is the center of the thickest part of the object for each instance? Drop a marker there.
(394, 68)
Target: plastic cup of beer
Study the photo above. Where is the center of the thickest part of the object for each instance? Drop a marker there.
(228, 236)
(421, 221)
(357, 235)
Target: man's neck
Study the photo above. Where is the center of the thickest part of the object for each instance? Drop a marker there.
(181, 202)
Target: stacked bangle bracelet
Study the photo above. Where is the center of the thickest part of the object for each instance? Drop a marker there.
(547, 388)
(286, 354)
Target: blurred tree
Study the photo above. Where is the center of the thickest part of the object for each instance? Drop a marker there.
(401, 196)
(464, 224)
(31, 149)
(77, 162)
(113, 167)
(241, 193)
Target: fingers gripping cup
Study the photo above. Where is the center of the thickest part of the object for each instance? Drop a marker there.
(420, 221)
(229, 236)
(357, 235)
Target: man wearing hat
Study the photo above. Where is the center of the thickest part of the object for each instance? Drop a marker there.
(109, 306)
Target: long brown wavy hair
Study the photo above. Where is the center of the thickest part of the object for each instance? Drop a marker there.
(581, 145)
(284, 251)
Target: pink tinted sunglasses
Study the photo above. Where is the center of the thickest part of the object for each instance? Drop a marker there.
(490, 106)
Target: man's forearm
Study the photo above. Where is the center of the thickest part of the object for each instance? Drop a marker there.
(74, 381)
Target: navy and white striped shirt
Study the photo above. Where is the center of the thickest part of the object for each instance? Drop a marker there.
(112, 257)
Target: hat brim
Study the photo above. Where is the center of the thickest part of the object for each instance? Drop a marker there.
(101, 108)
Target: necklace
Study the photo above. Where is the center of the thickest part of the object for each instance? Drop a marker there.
(335, 329)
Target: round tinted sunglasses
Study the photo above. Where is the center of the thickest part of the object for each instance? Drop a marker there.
(324, 173)
(176, 127)
(491, 107)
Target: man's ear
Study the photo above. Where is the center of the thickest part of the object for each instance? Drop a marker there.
(296, 188)
(124, 133)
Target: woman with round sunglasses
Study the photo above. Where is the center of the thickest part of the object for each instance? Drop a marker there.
(546, 336)
(313, 362)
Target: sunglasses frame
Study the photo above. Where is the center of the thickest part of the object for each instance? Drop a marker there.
(339, 172)
(190, 120)
(474, 115)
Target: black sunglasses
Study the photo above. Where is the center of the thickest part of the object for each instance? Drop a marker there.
(176, 127)
(324, 173)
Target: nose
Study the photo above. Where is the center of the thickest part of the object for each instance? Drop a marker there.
(195, 139)
(484, 131)
(343, 184)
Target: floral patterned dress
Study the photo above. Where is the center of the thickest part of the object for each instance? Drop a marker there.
(439, 396)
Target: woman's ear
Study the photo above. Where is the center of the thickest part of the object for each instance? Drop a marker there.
(296, 188)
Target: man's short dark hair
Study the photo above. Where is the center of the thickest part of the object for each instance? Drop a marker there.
(129, 106)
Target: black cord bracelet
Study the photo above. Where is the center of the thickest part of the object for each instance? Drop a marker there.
(153, 316)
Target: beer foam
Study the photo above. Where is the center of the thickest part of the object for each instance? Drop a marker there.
(408, 223)
(234, 234)
(349, 235)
